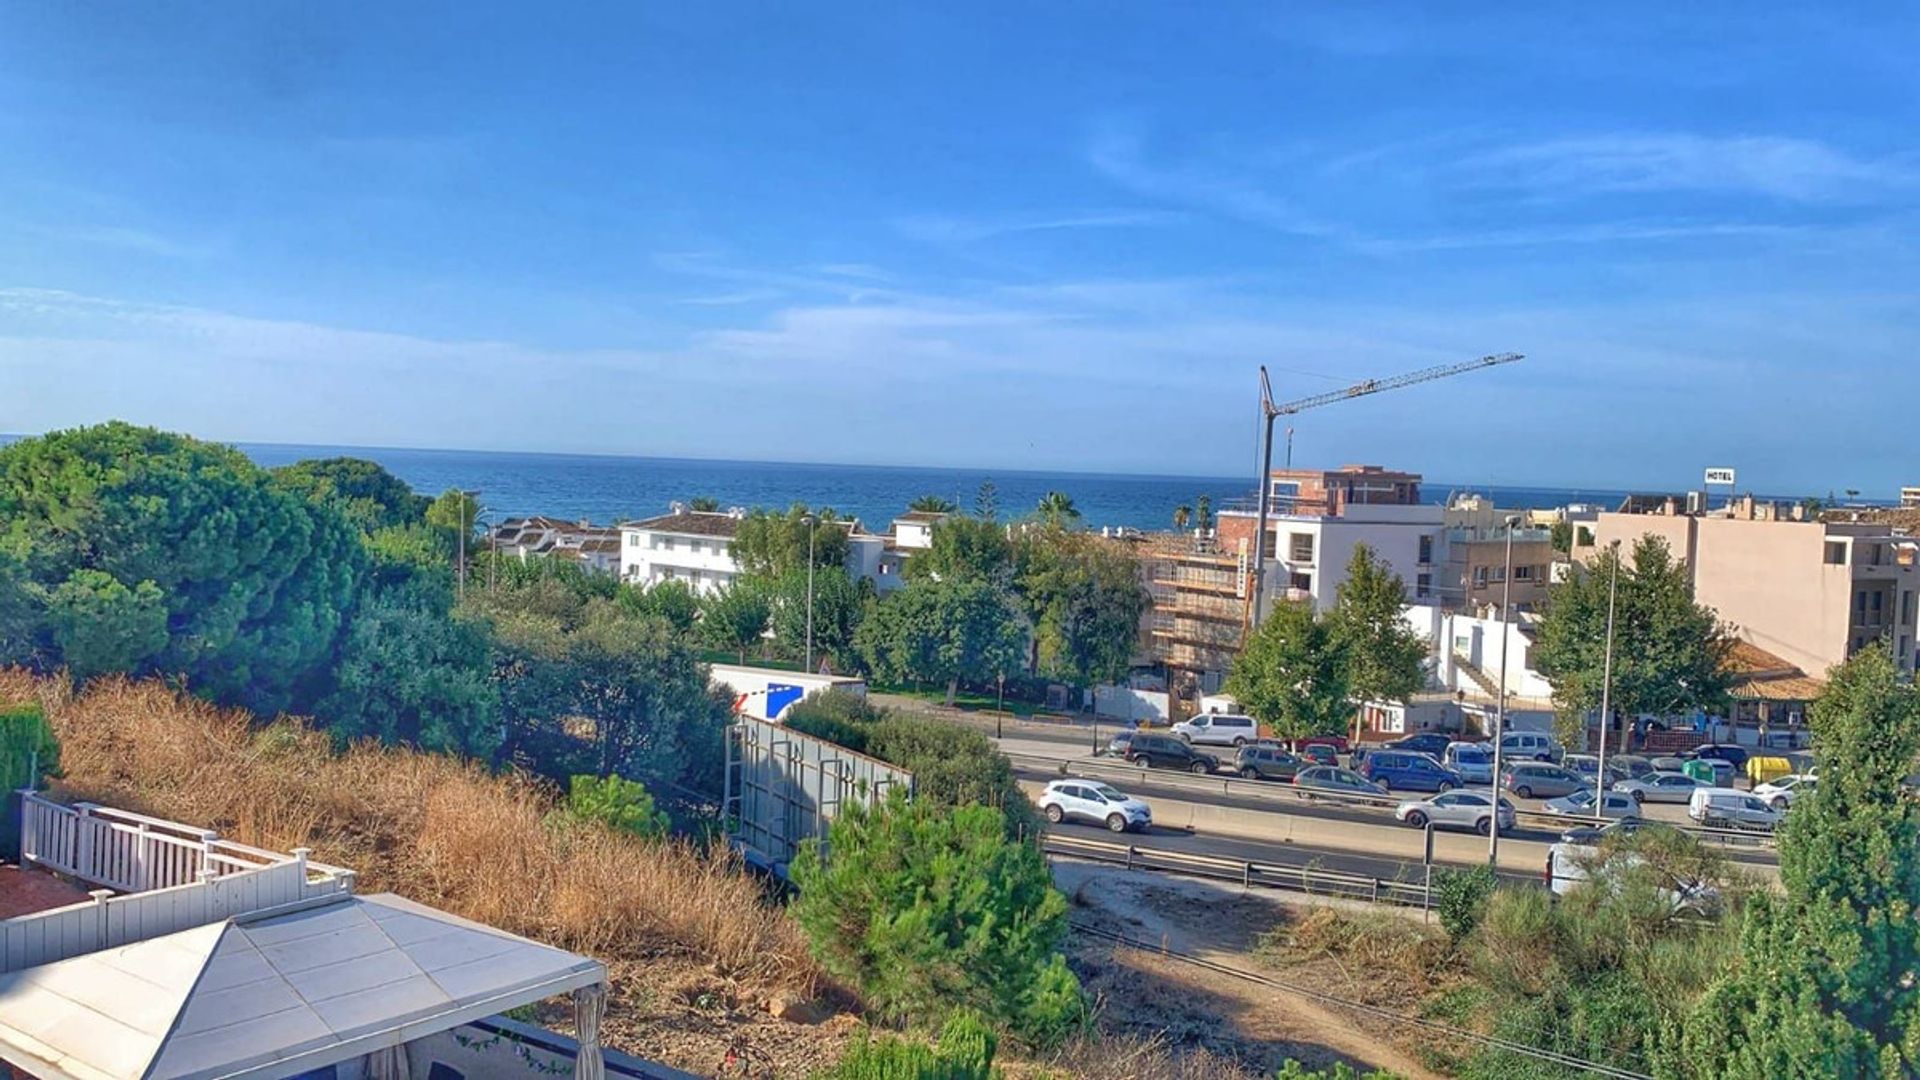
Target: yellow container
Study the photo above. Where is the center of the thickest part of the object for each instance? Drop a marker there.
(1762, 769)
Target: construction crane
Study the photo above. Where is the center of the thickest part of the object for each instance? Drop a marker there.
(1273, 412)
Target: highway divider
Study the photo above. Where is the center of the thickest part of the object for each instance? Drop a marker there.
(1303, 879)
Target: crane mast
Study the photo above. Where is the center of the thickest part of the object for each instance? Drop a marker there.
(1359, 389)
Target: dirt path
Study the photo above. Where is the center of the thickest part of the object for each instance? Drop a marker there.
(1145, 992)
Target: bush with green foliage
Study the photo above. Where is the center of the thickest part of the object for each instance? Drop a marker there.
(1340, 1070)
(926, 910)
(1293, 674)
(944, 632)
(1828, 979)
(28, 750)
(842, 718)
(965, 1052)
(618, 803)
(1461, 897)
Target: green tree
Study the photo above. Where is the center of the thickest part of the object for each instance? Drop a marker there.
(771, 545)
(28, 750)
(22, 616)
(703, 504)
(1825, 983)
(1181, 515)
(839, 603)
(965, 547)
(255, 579)
(620, 804)
(101, 625)
(1203, 512)
(927, 910)
(1384, 656)
(1669, 652)
(1293, 1070)
(1083, 595)
(671, 601)
(456, 512)
(1292, 675)
(986, 501)
(1561, 536)
(736, 616)
(843, 718)
(943, 632)
(1056, 508)
(363, 492)
(410, 672)
(932, 504)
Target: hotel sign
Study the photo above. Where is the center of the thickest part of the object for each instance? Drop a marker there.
(1720, 476)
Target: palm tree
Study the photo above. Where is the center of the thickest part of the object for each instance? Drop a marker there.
(1057, 509)
(1182, 515)
(932, 504)
(704, 503)
(1203, 517)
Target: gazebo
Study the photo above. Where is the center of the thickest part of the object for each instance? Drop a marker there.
(356, 986)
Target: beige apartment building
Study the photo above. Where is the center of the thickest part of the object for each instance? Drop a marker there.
(1811, 593)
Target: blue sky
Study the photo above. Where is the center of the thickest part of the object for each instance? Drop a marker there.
(1006, 235)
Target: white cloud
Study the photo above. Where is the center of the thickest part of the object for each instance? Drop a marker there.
(942, 229)
(1780, 167)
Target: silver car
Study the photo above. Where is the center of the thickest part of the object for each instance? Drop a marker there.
(1531, 779)
(1671, 787)
(1455, 810)
(1333, 780)
(1580, 804)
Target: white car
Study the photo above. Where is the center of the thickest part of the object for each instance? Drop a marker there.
(1580, 804)
(1728, 808)
(1455, 809)
(1780, 793)
(1092, 801)
(1218, 729)
(1660, 787)
(1473, 761)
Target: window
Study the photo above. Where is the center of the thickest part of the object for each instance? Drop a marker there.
(1300, 548)
(1423, 586)
(1906, 607)
(1303, 582)
(1836, 553)
(1499, 575)
(1286, 491)
(1273, 544)
(1426, 549)
(633, 539)
(1523, 573)
(1479, 577)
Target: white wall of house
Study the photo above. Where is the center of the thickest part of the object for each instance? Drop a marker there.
(648, 557)
(1393, 532)
(913, 534)
(1454, 636)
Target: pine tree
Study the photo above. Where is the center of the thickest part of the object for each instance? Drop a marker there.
(1828, 979)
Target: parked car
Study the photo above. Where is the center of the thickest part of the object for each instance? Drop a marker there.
(1117, 746)
(1518, 745)
(1337, 742)
(1726, 808)
(1217, 729)
(1580, 804)
(1588, 765)
(1168, 752)
(1473, 761)
(1088, 800)
(1267, 763)
(1431, 743)
(1673, 787)
(1667, 763)
(1730, 753)
(1786, 739)
(1333, 779)
(1781, 793)
(1455, 810)
(1538, 778)
(1319, 753)
(1406, 769)
(1629, 765)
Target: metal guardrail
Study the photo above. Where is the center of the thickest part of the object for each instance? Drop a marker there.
(1305, 879)
(1280, 792)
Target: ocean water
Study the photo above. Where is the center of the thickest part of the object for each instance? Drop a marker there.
(606, 489)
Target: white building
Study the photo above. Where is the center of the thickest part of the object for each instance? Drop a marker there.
(696, 547)
(913, 530)
(595, 547)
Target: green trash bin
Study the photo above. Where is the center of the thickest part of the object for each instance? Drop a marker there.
(1699, 770)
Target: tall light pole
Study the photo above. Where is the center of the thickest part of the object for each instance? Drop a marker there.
(1500, 710)
(811, 523)
(1606, 687)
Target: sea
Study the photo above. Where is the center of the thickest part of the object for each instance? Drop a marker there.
(605, 489)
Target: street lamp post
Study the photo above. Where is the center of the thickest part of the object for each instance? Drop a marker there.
(811, 523)
(1606, 688)
(1000, 707)
(1500, 710)
(466, 526)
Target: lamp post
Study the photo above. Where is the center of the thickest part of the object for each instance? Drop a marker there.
(1606, 688)
(1500, 710)
(1000, 707)
(466, 526)
(811, 523)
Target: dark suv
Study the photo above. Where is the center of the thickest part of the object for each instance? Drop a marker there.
(1167, 752)
(1267, 763)
(1431, 743)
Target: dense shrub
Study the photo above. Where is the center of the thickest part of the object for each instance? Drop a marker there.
(1461, 896)
(28, 750)
(1293, 1070)
(927, 909)
(616, 803)
(837, 716)
(965, 1053)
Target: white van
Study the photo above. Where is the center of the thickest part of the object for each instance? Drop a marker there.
(1529, 745)
(1727, 808)
(1568, 865)
(1218, 729)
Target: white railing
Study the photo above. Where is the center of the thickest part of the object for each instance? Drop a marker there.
(171, 877)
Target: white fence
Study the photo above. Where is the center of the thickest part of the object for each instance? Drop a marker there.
(172, 877)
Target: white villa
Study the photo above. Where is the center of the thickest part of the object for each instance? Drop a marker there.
(696, 546)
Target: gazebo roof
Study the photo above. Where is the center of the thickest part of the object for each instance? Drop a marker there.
(273, 996)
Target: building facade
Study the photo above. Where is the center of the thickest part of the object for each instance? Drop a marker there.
(1811, 593)
(594, 547)
(1475, 577)
(1197, 609)
(696, 547)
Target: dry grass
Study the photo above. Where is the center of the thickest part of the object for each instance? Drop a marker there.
(1382, 950)
(439, 831)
